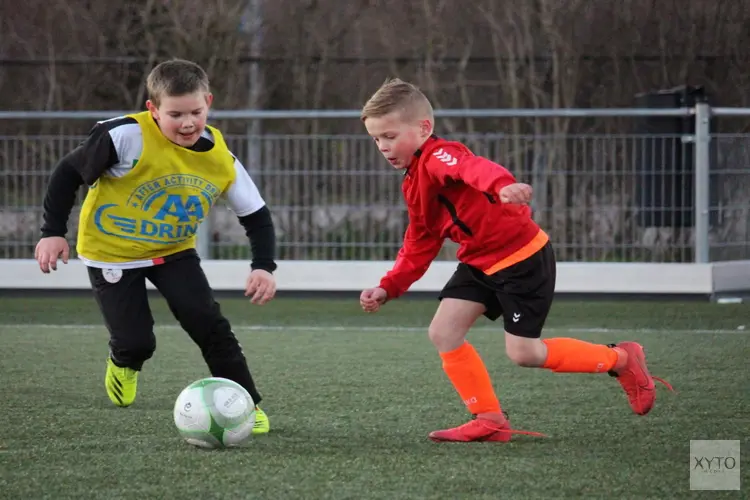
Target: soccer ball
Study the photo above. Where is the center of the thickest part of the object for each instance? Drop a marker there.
(214, 413)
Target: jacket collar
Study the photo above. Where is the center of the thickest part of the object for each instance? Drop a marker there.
(432, 138)
(418, 152)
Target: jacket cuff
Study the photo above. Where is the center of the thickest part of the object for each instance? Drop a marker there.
(264, 265)
(390, 288)
(46, 233)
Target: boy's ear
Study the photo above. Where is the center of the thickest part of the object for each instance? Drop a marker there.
(425, 127)
(209, 99)
(153, 109)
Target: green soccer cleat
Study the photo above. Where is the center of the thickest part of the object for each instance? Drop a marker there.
(121, 384)
(262, 425)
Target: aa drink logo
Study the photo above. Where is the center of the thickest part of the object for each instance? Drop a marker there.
(715, 465)
(165, 210)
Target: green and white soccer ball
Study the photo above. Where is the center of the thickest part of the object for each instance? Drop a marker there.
(214, 413)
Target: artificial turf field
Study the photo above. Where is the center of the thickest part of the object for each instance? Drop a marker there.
(351, 399)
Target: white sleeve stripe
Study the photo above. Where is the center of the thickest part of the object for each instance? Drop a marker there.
(243, 196)
(128, 142)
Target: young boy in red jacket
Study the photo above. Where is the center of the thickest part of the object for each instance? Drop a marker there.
(507, 265)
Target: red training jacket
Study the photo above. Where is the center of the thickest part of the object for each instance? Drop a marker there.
(451, 193)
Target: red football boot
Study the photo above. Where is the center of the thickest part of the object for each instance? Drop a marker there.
(479, 429)
(636, 380)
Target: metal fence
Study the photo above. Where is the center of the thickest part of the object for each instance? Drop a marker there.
(613, 197)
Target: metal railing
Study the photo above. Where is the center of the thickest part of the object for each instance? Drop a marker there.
(601, 197)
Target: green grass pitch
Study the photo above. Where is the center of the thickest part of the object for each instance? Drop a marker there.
(352, 398)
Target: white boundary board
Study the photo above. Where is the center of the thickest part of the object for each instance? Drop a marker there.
(326, 276)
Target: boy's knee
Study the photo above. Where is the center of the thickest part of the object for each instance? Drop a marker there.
(143, 349)
(444, 339)
(133, 349)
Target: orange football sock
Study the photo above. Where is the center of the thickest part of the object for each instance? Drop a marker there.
(576, 356)
(469, 376)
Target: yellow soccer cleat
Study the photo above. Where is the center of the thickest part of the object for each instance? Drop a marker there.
(262, 425)
(121, 384)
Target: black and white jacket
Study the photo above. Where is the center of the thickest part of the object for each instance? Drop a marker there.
(110, 150)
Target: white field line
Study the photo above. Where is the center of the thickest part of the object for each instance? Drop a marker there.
(300, 328)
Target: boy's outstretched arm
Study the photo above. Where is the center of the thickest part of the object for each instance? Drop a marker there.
(81, 166)
(60, 196)
(414, 258)
(261, 284)
(84, 165)
(246, 202)
(262, 235)
(452, 163)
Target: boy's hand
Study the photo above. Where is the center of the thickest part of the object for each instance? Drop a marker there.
(48, 250)
(261, 285)
(372, 298)
(516, 193)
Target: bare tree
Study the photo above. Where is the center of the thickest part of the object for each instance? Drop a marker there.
(330, 54)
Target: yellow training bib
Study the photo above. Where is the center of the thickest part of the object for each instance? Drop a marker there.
(155, 209)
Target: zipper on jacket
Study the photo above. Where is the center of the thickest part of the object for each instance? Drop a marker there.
(454, 214)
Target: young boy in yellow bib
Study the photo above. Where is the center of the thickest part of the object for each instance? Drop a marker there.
(153, 177)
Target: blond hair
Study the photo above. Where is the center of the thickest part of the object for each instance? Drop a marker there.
(398, 95)
(175, 77)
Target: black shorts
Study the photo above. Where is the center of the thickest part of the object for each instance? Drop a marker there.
(123, 300)
(521, 293)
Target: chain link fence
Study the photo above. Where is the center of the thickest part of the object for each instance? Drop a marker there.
(601, 197)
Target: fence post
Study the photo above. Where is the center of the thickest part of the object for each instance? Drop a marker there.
(702, 180)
